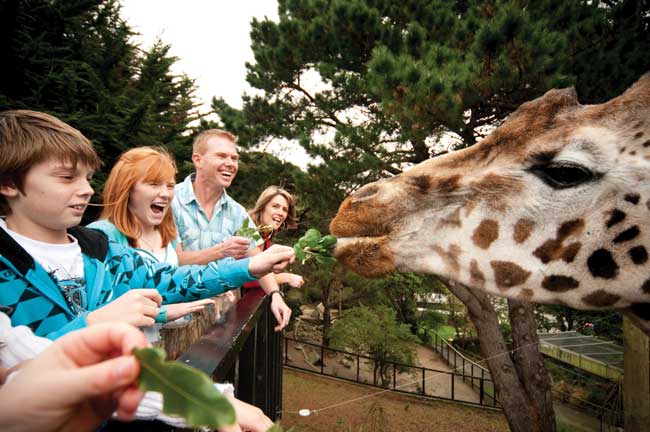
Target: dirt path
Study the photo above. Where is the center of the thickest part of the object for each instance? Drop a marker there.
(436, 383)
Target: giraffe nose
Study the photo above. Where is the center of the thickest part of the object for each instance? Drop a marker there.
(366, 192)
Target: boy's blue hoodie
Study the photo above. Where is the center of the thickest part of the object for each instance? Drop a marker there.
(32, 298)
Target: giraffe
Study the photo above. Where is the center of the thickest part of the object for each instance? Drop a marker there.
(552, 207)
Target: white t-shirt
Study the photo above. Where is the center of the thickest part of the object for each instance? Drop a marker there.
(64, 264)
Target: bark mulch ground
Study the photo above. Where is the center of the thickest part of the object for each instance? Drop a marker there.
(386, 412)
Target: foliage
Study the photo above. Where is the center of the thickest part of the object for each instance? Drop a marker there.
(316, 246)
(186, 392)
(376, 333)
(76, 60)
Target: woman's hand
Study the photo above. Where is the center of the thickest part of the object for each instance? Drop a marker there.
(177, 310)
(76, 383)
(294, 280)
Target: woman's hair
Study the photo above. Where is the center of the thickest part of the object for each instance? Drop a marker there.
(149, 164)
(265, 197)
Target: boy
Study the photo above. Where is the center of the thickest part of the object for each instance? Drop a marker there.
(56, 277)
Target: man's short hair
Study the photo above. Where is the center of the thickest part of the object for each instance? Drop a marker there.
(201, 140)
(30, 137)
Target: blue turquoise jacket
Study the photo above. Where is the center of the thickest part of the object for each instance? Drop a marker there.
(33, 298)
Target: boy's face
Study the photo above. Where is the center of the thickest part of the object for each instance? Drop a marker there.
(54, 198)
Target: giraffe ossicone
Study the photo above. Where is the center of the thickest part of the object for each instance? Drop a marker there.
(552, 207)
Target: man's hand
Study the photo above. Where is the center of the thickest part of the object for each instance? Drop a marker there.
(138, 307)
(281, 311)
(177, 310)
(77, 383)
(274, 259)
(236, 247)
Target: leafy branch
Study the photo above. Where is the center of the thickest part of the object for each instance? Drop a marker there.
(253, 232)
(314, 245)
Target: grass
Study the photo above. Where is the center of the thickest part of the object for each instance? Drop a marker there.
(356, 408)
(446, 332)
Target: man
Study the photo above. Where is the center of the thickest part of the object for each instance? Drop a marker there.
(207, 218)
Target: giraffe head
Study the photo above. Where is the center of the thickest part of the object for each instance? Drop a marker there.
(552, 207)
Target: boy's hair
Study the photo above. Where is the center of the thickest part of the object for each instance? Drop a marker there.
(30, 137)
(149, 164)
(265, 197)
(201, 140)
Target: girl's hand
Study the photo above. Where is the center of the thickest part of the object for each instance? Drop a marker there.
(177, 310)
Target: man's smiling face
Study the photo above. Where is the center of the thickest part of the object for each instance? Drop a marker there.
(220, 161)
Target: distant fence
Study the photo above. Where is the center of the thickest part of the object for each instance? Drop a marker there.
(475, 375)
(403, 378)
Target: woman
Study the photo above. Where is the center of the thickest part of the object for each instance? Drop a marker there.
(275, 210)
(137, 199)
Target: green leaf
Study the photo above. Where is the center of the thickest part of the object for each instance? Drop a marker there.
(328, 241)
(313, 245)
(187, 392)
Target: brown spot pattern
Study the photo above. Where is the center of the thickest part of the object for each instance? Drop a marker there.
(477, 278)
(615, 217)
(422, 183)
(569, 253)
(522, 230)
(486, 232)
(638, 135)
(632, 198)
(452, 220)
(553, 249)
(600, 298)
(559, 283)
(508, 274)
(448, 185)
(450, 257)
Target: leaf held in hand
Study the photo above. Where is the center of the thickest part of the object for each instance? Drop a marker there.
(187, 392)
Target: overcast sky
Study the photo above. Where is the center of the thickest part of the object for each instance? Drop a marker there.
(211, 39)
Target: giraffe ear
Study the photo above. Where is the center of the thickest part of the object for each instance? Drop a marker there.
(639, 313)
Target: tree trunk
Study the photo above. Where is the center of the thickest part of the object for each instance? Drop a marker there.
(529, 362)
(524, 411)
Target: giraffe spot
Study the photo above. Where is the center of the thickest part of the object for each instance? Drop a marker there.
(616, 217)
(526, 294)
(602, 265)
(522, 230)
(627, 235)
(646, 286)
(646, 143)
(508, 274)
(633, 153)
(452, 219)
(569, 253)
(486, 232)
(601, 299)
(639, 255)
(622, 150)
(476, 275)
(548, 251)
(422, 183)
(638, 125)
(569, 228)
(448, 185)
(638, 135)
(647, 204)
(450, 257)
(558, 283)
(632, 198)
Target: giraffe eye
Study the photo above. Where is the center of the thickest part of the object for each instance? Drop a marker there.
(563, 176)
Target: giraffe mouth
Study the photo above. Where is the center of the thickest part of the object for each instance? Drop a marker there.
(368, 256)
